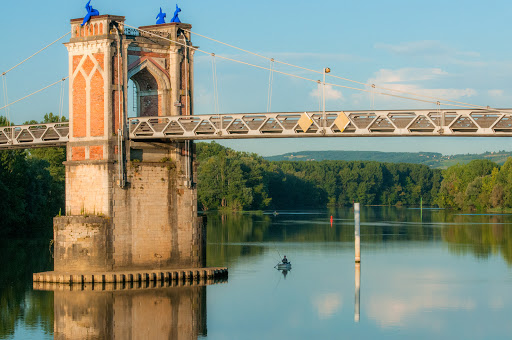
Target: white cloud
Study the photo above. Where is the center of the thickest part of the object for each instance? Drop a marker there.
(495, 93)
(327, 304)
(410, 81)
(284, 56)
(330, 93)
(434, 94)
(406, 74)
(424, 48)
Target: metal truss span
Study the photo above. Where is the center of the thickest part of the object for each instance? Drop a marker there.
(37, 135)
(464, 123)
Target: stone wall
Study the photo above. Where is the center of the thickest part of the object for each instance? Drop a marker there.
(151, 223)
(88, 187)
(82, 243)
(155, 216)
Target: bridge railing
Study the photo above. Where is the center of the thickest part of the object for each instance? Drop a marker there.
(27, 136)
(468, 123)
(333, 124)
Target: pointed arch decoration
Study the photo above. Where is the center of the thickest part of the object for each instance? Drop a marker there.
(153, 86)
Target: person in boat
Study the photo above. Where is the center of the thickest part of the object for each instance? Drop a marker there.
(285, 260)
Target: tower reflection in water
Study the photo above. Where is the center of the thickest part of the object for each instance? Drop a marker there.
(129, 312)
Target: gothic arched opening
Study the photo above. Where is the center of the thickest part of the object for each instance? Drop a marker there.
(148, 101)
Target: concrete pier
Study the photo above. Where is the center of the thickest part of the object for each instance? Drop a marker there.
(135, 285)
(160, 275)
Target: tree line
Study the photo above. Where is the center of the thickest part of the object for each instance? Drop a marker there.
(31, 187)
(233, 180)
(478, 185)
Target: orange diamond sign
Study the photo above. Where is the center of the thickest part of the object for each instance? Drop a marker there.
(305, 122)
(342, 121)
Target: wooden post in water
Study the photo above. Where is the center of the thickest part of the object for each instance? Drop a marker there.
(358, 287)
(357, 233)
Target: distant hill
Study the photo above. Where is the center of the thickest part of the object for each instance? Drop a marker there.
(432, 159)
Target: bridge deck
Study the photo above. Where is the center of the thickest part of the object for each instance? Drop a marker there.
(462, 123)
(32, 136)
(471, 123)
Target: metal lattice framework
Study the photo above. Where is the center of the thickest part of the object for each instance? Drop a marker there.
(36, 135)
(472, 123)
(463, 123)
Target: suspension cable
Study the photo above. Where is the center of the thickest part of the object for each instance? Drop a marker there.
(319, 87)
(443, 100)
(6, 98)
(121, 117)
(186, 78)
(188, 169)
(270, 83)
(438, 111)
(44, 88)
(41, 50)
(119, 103)
(266, 68)
(373, 98)
(61, 102)
(215, 89)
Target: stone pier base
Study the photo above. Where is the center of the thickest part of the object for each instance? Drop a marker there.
(162, 275)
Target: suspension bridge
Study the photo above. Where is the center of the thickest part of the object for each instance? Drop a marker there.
(460, 119)
(377, 123)
(131, 182)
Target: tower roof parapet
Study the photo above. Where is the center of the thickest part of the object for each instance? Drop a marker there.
(101, 26)
(169, 30)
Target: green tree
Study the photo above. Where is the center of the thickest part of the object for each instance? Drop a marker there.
(31, 196)
(455, 191)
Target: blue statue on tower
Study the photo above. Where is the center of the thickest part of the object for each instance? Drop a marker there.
(91, 12)
(160, 18)
(175, 17)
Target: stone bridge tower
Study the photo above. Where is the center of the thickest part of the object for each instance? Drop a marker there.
(129, 205)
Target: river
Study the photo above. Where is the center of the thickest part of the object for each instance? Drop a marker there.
(424, 274)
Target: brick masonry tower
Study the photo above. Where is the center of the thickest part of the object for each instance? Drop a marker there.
(129, 205)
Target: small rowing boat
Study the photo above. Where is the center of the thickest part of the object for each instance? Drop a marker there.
(284, 266)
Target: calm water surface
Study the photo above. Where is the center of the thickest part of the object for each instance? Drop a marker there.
(424, 274)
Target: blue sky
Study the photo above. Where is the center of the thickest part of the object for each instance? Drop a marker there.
(454, 49)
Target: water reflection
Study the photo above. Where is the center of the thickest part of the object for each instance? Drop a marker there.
(482, 239)
(440, 275)
(357, 302)
(147, 313)
(18, 303)
(429, 294)
(231, 236)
